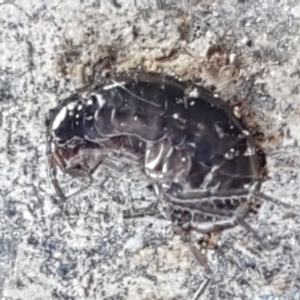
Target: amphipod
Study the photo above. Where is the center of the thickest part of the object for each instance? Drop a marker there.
(205, 164)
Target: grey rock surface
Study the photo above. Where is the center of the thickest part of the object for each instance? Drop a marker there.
(249, 51)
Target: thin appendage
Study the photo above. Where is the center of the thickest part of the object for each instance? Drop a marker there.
(149, 211)
(109, 165)
(267, 198)
(60, 192)
(52, 173)
(82, 189)
(238, 219)
(209, 227)
(202, 289)
(201, 258)
(229, 221)
(55, 161)
(197, 200)
(261, 241)
(208, 273)
(197, 195)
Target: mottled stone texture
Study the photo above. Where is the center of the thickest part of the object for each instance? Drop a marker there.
(247, 51)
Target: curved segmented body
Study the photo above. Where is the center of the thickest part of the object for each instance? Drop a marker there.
(205, 162)
(182, 137)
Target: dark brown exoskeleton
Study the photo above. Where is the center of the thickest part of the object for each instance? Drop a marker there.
(205, 163)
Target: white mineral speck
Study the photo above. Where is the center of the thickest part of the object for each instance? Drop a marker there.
(135, 243)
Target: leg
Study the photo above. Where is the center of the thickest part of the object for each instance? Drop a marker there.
(218, 203)
(200, 255)
(273, 200)
(219, 225)
(197, 194)
(110, 165)
(207, 219)
(261, 241)
(54, 161)
(208, 273)
(52, 174)
(149, 211)
(238, 219)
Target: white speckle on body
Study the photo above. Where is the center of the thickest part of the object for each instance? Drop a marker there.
(192, 145)
(71, 106)
(228, 156)
(113, 85)
(194, 94)
(219, 130)
(151, 164)
(59, 118)
(112, 115)
(249, 151)
(165, 167)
